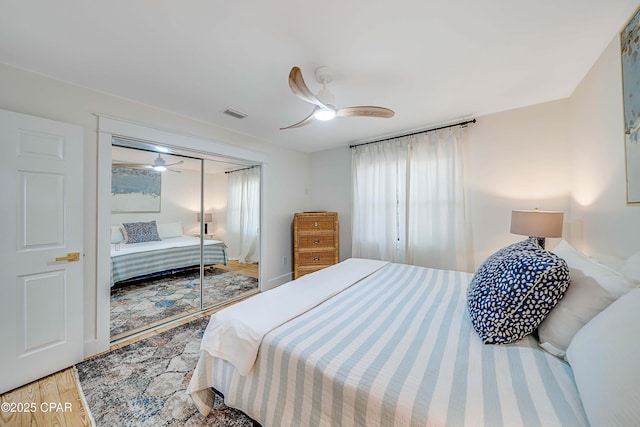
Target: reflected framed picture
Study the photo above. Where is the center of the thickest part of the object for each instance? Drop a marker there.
(630, 49)
(135, 190)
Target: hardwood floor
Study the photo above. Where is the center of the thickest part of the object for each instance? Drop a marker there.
(250, 270)
(56, 400)
(51, 401)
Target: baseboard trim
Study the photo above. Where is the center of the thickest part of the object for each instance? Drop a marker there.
(276, 281)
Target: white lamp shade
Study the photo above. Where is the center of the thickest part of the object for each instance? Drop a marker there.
(535, 223)
(207, 217)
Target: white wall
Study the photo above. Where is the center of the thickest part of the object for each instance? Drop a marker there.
(215, 201)
(599, 209)
(179, 202)
(284, 193)
(285, 172)
(331, 190)
(518, 159)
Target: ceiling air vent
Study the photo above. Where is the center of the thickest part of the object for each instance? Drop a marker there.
(235, 113)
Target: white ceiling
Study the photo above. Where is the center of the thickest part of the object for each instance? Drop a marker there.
(432, 61)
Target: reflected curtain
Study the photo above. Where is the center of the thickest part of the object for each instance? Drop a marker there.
(243, 215)
(409, 201)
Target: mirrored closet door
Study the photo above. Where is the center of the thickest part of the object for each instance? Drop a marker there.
(239, 276)
(171, 225)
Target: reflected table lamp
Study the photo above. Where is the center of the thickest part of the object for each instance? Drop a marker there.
(207, 219)
(538, 224)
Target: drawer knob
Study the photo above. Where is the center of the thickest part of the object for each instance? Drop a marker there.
(316, 224)
(316, 258)
(316, 241)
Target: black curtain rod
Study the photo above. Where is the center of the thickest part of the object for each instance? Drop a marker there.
(243, 169)
(462, 124)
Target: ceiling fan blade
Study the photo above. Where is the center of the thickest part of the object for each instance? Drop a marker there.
(132, 165)
(174, 170)
(302, 122)
(365, 111)
(300, 89)
(176, 163)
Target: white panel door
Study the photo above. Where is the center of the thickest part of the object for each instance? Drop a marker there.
(40, 222)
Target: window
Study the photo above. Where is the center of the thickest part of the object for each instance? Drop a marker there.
(409, 201)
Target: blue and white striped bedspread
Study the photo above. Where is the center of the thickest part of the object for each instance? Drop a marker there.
(127, 266)
(397, 349)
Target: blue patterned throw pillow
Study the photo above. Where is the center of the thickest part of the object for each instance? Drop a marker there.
(137, 232)
(514, 290)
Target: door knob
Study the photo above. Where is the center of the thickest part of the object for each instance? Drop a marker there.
(71, 256)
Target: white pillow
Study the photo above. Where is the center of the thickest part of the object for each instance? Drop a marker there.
(611, 261)
(169, 230)
(631, 268)
(583, 300)
(116, 234)
(612, 281)
(604, 359)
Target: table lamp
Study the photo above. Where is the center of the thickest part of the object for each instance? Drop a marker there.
(538, 224)
(207, 219)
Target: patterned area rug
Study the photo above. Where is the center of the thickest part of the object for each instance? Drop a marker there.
(144, 383)
(140, 303)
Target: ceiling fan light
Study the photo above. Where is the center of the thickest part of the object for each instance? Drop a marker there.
(159, 165)
(324, 114)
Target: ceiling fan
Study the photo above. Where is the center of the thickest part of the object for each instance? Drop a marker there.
(159, 164)
(324, 101)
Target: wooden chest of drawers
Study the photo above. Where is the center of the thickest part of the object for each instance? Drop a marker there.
(315, 242)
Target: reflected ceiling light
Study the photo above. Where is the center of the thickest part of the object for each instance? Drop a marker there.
(159, 164)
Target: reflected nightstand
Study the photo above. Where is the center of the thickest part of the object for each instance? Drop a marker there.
(210, 236)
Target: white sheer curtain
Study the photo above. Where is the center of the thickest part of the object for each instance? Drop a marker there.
(379, 201)
(409, 202)
(243, 215)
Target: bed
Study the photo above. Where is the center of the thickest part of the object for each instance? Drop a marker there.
(369, 343)
(132, 260)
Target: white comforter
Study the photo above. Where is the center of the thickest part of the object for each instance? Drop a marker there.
(235, 334)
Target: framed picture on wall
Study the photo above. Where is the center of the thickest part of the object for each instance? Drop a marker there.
(135, 190)
(630, 49)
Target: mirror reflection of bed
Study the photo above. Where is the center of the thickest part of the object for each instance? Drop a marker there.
(183, 239)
